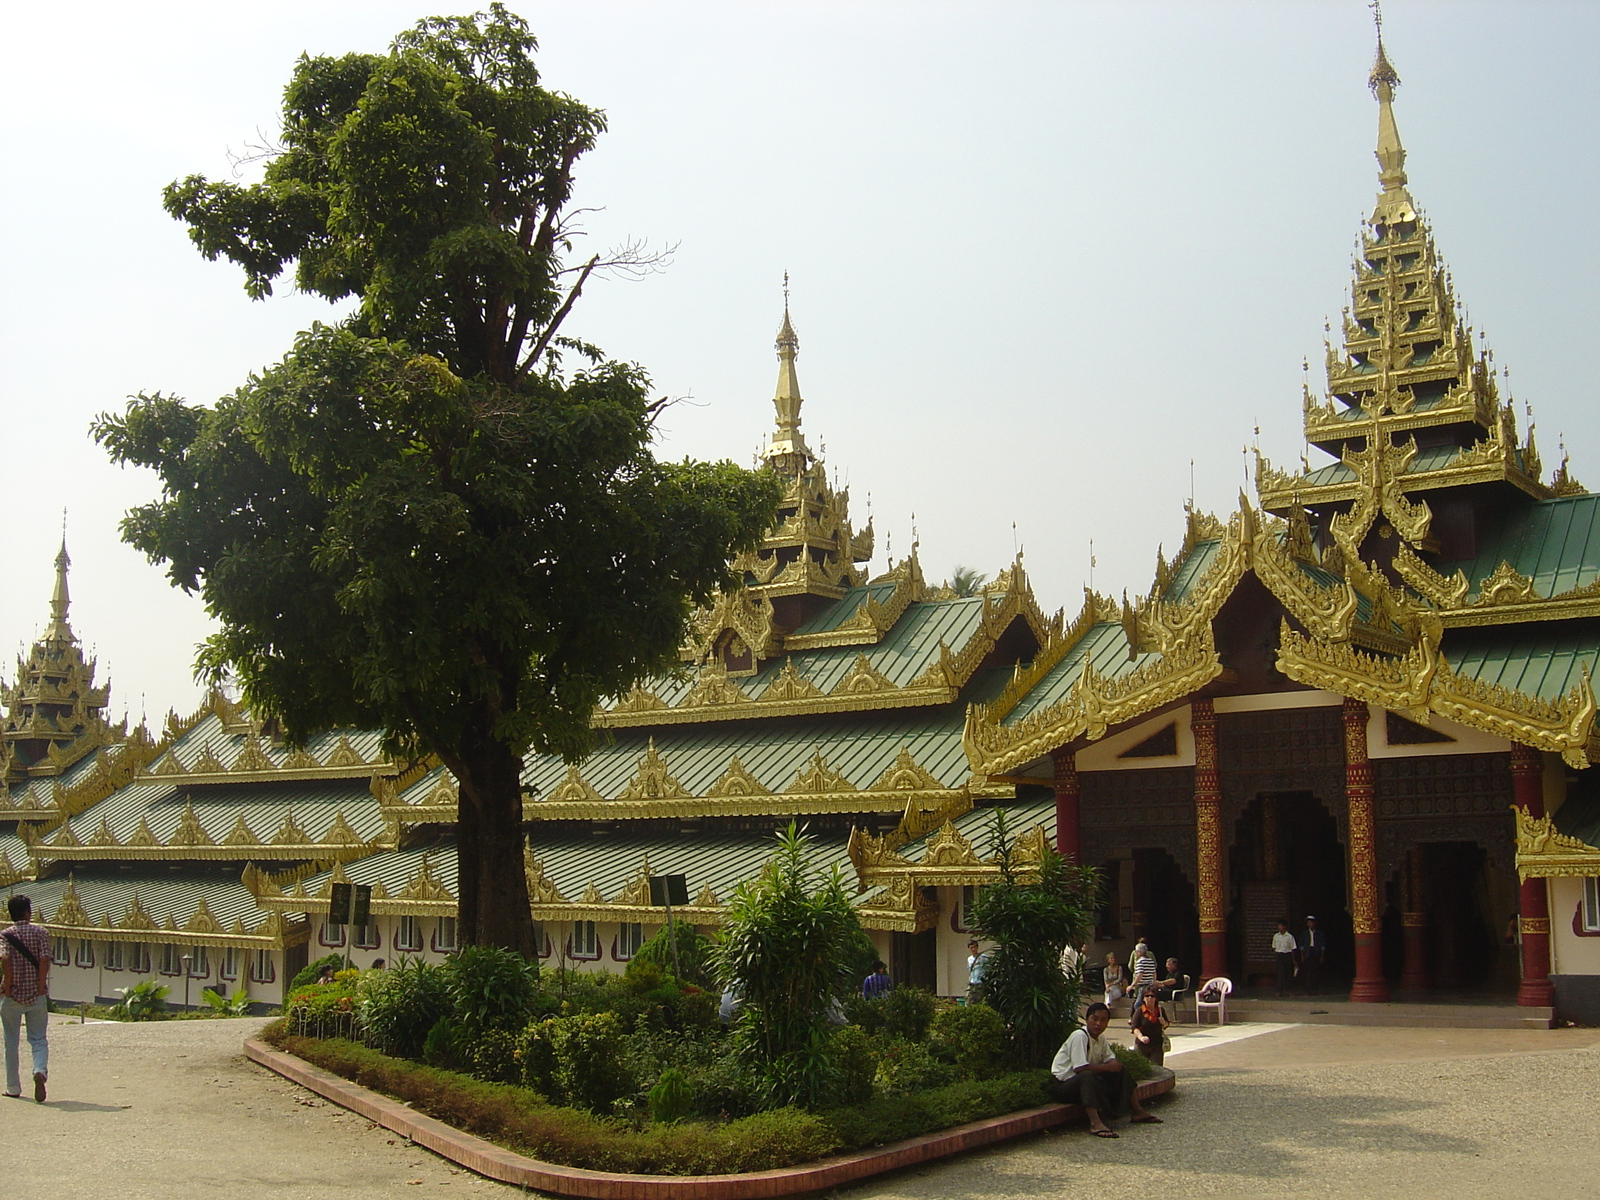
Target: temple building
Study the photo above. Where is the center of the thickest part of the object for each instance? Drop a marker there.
(1365, 695)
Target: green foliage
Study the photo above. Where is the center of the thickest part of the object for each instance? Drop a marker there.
(517, 1118)
(906, 1067)
(785, 940)
(446, 1046)
(672, 1097)
(973, 1037)
(490, 988)
(892, 1118)
(1029, 917)
(309, 973)
(538, 1058)
(865, 1012)
(322, 1010)
(494, 1056)
(965, 581)
(855, 1065)
(395, 526)
(589, 1071)
(236, 1005)
(401, 1006)
(907, 1013)
(146, 1001)
(694, 954)
(1137, 1066)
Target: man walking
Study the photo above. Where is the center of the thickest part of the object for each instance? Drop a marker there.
(1313, 953)
(25, 995)
(975, 966)
(1283, 949)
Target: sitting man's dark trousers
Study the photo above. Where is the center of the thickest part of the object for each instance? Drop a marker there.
(1110, 1092)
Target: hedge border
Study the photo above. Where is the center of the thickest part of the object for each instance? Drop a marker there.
(485, 1158)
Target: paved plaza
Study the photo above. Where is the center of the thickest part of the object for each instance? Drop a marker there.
(147, 1111)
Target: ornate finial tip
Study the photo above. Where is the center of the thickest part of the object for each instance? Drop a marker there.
(1383, 72)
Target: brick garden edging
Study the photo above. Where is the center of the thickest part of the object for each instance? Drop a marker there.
(490, 1160)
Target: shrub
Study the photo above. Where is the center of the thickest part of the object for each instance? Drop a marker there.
(236, 1005)
(398, 1008)
(145, 1001)
(309, 972)
(910, 1067)
(972, 1036)
(867, 1013)
(907, 1012)
(588, 1067)
(672, 1098)
(322, 1010)
(446, 1046)
(891, 1118)
(787, 939)
(490, 988)
(725, 1086)
(1137, 1066)
(1029, 914)
(538, 1059)
(855, 1064)
(495, 1056)
(694, 954)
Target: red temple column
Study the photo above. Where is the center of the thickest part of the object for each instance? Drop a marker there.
(1533, 901)
(1208, 841)
(1369, 986)
(1414, 925)
(1066, 785)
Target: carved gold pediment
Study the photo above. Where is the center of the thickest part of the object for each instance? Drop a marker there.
(736, 781)
(1545, 852)
(652, 781)
(1505, 586)
(906, 775)
(818, 777)
(573, 788)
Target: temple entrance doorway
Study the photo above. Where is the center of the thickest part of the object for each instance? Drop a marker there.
(914, 960)
(1448, 922)
(1146, 894)
(1286, 863)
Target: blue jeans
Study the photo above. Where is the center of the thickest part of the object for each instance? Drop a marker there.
(37, 1015)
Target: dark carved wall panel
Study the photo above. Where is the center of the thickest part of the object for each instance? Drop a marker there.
(1283, 739)
(1442, 785)
(1122, 810)
(1444, 798)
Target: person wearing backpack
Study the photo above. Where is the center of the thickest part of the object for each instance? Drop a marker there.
(25, 995)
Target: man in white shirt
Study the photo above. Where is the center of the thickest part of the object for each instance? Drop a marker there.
(1085, 1072)
(976, 962)
(1283, 948)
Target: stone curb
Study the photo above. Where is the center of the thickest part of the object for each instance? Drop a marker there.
(490, 1160)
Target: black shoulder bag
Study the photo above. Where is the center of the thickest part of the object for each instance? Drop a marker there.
(26, 953)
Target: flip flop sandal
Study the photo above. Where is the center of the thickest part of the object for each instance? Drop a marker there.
(1107, 1133)
(1147, 1119)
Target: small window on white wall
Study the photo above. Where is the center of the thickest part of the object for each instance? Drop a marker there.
(111, 956)
(541, 939)
(1591, 905)
(585, 940)
(86, 953)
(444, 937)
(629, 939)
(408, 934)
(969, 894)
(230, 963)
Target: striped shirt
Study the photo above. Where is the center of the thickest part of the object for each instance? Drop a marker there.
(876, 985)
(1144, 972)
(22, 976)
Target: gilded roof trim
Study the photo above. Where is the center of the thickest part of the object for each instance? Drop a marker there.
(1543, 852)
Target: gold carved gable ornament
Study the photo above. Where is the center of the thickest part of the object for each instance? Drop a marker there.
(652, 781)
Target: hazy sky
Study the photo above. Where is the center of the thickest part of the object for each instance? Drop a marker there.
(1042, 254)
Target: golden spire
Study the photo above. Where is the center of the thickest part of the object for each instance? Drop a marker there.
(787, 450)
(60, 599)
(1394, 204)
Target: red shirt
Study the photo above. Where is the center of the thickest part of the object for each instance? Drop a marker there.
(24, 986)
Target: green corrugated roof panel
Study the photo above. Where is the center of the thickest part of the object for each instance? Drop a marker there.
(977, 825)
(1334, 472)
(44, 785)
(774, 750)
(1536, 661)
(106, 893)
(209, 733)
(1555, 543)
(845, 608)
(1189, 572)
(1579, 815)
(264, 806)
(572, 859)
(1105, 645)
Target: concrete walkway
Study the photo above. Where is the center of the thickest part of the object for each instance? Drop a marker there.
(146, 1112)
(172, 1108)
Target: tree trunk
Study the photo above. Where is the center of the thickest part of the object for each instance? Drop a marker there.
(492, 889)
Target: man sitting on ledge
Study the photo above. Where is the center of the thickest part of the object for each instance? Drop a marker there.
(1087, 1074)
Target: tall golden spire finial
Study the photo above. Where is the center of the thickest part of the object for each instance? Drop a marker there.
(1393, 204)
(60, 598)
(787, 451)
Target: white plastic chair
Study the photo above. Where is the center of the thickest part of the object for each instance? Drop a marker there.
(1223, 987)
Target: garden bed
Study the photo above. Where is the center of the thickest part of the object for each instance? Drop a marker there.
(441, 1090)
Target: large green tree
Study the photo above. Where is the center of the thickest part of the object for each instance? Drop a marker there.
(440, 517)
